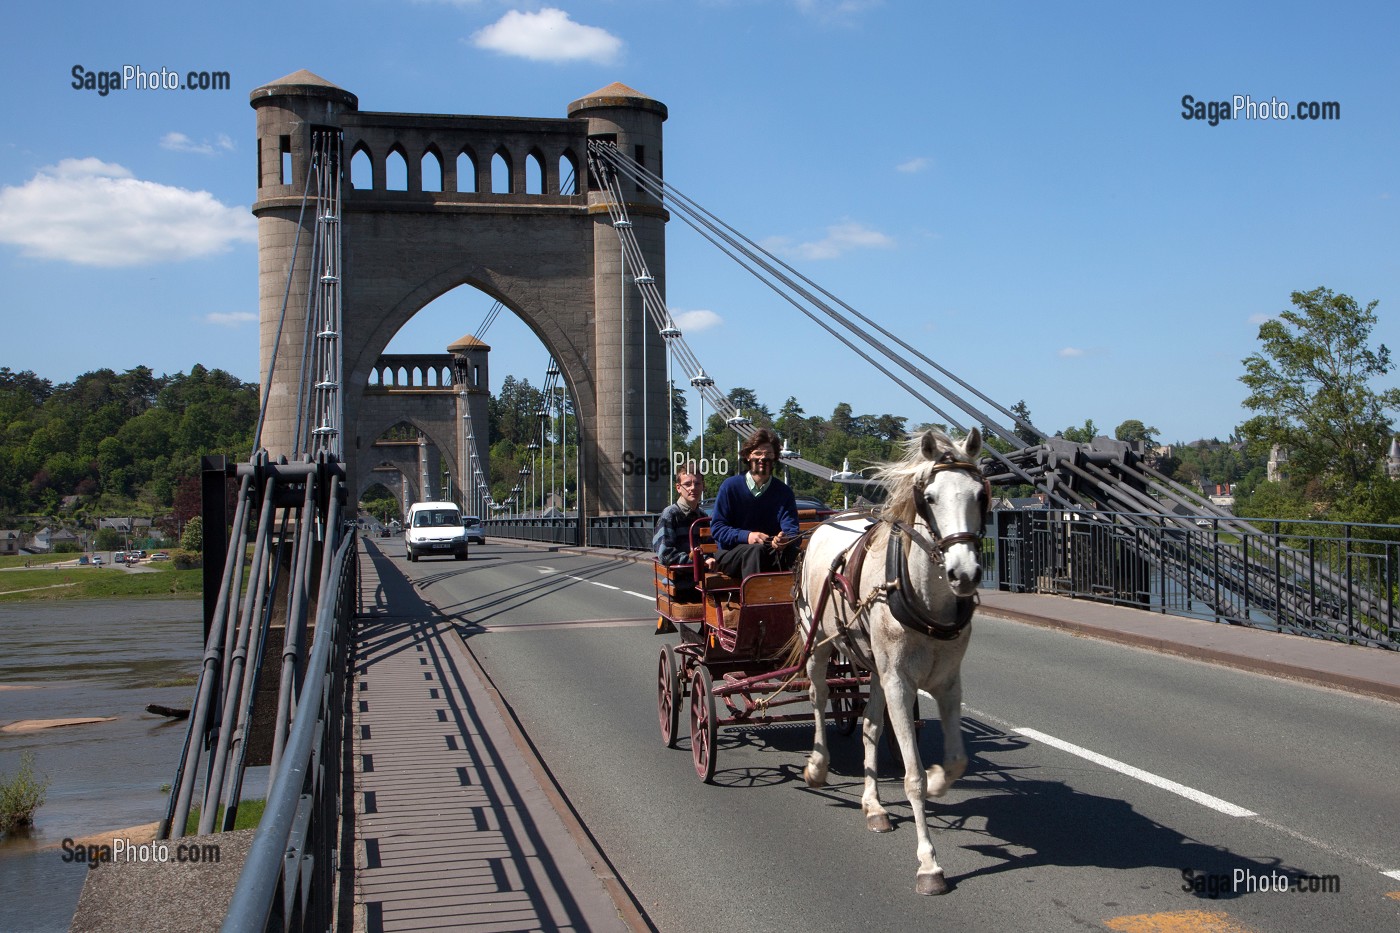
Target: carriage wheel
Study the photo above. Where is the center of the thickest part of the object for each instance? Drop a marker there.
(702, 724)
(844, 711)
(668, 695)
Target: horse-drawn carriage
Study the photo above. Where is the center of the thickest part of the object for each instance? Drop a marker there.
(745, 645)
(730, 665)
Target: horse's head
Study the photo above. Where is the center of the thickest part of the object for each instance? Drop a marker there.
(954, 501)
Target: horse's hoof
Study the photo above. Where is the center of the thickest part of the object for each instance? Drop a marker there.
(809, 774)
(928, 885)
(878, 823)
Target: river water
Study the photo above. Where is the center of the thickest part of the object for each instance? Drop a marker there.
(89, 658)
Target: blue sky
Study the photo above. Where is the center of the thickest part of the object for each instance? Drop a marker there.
(1010, 186)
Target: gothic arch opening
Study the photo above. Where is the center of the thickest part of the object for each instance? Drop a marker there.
(516, 448)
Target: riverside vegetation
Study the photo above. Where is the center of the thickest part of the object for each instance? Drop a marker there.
(20, 795)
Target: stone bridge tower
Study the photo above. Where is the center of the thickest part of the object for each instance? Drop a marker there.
(542, 243)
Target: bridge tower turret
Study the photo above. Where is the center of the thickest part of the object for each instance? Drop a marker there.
(629, 353)
(289, 110)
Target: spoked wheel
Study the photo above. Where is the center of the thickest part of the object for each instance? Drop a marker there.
(844, 709)
(668, 695)
(703, 726)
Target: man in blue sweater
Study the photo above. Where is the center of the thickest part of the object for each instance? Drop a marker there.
(755, 517)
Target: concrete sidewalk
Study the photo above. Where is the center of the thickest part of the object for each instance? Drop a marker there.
(1369, 671)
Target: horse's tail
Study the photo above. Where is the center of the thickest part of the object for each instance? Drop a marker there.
(795, 648)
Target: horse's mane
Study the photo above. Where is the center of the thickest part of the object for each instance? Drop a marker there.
(902, 478)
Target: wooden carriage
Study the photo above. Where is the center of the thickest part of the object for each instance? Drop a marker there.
(729, 664)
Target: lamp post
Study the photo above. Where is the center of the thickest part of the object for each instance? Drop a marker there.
(787, 454)
(670, 333)
(701, 382)
(736, 423)
(622, 226)
(844, 476)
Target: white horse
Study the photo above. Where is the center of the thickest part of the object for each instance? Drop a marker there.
(936, 502)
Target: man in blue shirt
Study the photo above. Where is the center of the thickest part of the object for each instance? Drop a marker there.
(755, 517)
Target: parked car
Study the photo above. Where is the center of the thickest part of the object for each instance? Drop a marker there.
(97, 560)
(476, 532)
(160, 555)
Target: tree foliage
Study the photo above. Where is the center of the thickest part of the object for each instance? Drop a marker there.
(128, 439)
(1311, 385)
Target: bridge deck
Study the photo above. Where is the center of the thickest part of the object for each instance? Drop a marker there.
(454, 828)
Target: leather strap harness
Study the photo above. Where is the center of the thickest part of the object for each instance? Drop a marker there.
(845, 572)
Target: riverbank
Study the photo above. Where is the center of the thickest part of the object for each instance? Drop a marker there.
(89, 582)
(91, 659)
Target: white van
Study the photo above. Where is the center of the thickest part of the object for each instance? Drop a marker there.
(434, 528)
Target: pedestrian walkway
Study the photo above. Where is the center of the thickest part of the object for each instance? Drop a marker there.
(457, 826)
(1370, 671)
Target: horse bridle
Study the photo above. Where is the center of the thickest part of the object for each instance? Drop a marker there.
(937, 546)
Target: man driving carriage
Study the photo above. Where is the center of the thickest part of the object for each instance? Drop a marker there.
(755, 517)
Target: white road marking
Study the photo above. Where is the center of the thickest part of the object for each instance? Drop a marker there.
(1190, 793)
(638, 595)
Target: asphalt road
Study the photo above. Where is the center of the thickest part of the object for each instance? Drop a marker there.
(1234, 781)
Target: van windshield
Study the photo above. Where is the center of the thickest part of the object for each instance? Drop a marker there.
(437, 518)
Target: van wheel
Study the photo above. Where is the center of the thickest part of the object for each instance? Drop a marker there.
(462, 556)
(409, 553)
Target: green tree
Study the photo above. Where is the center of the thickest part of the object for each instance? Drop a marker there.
(1082, 435)
(193, 538)
(1134, 430)
(1023, 423)
(1311, 385)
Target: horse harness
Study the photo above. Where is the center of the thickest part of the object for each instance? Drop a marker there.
(845, 572)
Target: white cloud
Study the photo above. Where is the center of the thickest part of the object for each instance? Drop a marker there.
(916, 164)
(548, 36)
(95, 213)
(693, 322)
(1069, 353)
(839, 240)
(179, 142)
(231, 318)
(1258, 319)
(830, 9)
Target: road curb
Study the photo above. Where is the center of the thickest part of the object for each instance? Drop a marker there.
(1283, 669)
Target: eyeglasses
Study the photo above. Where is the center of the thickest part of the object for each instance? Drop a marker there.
(760, 460)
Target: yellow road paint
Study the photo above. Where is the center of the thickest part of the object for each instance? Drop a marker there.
(1179, 921)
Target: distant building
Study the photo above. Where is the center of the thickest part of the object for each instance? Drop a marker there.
(1392, 459)
(1278, 464)
(9, 542)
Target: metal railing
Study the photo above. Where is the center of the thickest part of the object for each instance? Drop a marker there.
(289, 879)
(1320, 579)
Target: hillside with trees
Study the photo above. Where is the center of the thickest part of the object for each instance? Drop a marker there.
(123, 443)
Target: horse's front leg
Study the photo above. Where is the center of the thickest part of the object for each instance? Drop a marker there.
(818, 762)
(929, 879)
(941, 777)
(877, 819)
